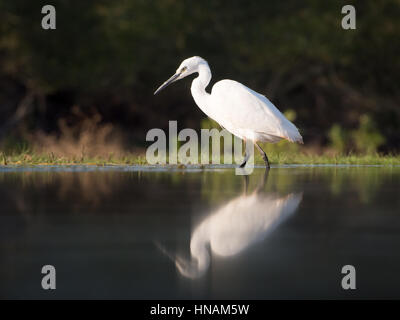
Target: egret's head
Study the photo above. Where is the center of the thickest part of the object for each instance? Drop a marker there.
(186, 68)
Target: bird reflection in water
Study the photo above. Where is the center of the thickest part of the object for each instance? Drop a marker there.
(234, 227)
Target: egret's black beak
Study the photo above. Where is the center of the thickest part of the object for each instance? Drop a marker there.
(168, 82)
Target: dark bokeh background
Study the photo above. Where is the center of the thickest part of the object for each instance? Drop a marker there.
(106, 58)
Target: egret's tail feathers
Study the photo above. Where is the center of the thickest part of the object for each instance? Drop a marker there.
(300, 140)
(294, 137)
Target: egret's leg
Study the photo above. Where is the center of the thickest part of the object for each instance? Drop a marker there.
(246, 155)
(264, 155)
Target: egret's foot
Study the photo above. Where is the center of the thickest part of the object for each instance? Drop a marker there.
(246, 158)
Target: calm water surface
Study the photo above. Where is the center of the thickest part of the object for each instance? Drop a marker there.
(171, 234)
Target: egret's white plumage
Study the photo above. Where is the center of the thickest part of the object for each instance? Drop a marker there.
(252, 116)
(242, 111)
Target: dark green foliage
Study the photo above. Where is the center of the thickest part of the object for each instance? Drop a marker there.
(109, 56)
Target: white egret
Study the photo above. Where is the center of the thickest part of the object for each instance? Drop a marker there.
(240, 110)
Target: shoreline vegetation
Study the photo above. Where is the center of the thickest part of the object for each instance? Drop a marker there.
(333, 84)
(281, 158)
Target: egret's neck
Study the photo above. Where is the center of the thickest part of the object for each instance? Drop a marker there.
(199, 251)
(198, 88)
(200, 258)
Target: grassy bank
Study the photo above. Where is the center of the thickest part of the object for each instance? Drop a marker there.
(135, 159)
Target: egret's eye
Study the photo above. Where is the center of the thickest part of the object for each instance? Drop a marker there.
(183, 69)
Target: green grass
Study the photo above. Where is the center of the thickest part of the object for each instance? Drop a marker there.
(373, 159)
(25, 159)
(50, 159)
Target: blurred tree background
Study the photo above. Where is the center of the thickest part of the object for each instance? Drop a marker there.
(92, 79)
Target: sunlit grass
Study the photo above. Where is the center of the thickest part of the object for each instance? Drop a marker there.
(29, 158)
(51, 159)
(373, 159)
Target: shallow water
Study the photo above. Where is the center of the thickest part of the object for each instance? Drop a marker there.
(133, 232)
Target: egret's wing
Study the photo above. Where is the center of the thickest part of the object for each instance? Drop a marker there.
(237, 106)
